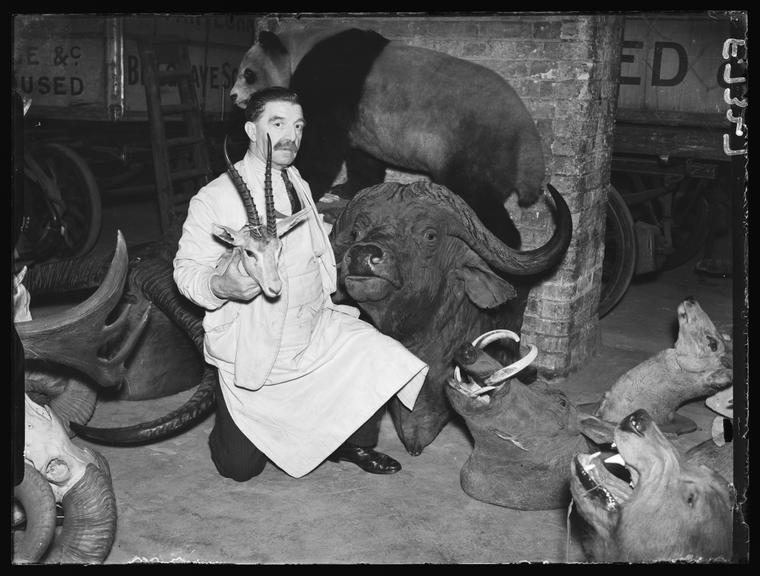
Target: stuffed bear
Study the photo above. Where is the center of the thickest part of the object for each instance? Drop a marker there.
(372, 103)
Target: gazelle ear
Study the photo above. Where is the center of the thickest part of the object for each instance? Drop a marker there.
(228, 235)
(288, 223)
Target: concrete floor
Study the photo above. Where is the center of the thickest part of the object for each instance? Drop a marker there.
(174, 507)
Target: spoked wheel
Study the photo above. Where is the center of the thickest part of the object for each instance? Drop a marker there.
(38, 238)
(62, 204)
(690, 211)
(681, 213)
(619, 252)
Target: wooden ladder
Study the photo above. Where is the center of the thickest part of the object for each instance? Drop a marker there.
(180, 153)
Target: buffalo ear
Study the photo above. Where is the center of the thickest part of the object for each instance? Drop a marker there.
(271, 43)
(484, 288)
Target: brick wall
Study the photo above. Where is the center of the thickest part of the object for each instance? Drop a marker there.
(565, 67)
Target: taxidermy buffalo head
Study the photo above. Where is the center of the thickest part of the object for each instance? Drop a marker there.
(416, 259)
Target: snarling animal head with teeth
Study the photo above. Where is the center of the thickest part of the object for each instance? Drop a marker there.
(524, 435)
(661, 506)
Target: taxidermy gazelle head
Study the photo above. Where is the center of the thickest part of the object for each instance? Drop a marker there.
(258, 245)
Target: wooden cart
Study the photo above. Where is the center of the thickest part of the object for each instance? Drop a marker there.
(670, 191)
(88, 133)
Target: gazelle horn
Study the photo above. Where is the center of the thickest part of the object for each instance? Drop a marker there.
(245, 193)
(268, 194)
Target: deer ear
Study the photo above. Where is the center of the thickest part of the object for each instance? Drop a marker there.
(288, 223)
(228, 235)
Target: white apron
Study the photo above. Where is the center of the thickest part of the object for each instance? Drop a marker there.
(332, 372)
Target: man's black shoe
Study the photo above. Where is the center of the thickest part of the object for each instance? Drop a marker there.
(367, 459)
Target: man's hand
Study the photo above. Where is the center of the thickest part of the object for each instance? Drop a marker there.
(229, 283)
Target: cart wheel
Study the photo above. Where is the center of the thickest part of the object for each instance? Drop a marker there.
(62, 209)
(683, 214)
(81, 217)
(38, 239)
(619, 252)
(691, 222)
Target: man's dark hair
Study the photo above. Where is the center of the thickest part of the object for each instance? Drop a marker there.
(259, 99)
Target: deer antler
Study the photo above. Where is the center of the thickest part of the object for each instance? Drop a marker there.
(79, 337)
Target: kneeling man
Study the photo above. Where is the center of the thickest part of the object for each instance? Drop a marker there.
(301, 379)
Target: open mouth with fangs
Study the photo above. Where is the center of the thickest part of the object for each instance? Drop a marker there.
(641, 499)
(605, 478)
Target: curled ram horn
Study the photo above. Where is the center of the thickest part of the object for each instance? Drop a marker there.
(80, 479)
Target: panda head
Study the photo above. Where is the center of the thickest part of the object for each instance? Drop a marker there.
(265, 64)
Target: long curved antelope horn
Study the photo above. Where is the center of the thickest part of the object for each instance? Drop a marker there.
(76, 337)
(268, 194)
(250, 208)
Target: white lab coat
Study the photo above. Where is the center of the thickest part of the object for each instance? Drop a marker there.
(299, 374)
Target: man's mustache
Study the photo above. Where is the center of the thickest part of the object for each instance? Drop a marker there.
(286, 145)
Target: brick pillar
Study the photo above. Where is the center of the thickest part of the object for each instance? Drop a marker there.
(571, 90)
(565, 68)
